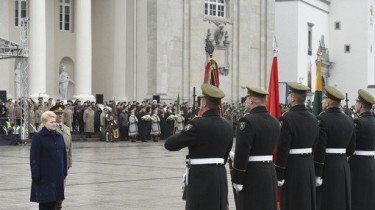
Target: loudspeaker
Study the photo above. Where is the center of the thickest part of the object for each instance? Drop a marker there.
(243, 99)
(99, 98)
(3, 95)
(156, 97)
(199, 101)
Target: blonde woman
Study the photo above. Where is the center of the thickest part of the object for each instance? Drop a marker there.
(48, 163)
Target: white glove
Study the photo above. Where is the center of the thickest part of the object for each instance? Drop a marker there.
(318, 181)
(231, 155)
(237, 187)
(280, 183)
(184, 177)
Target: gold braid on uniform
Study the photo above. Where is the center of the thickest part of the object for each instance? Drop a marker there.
(195, 117)
(279, 166)
(238, 169)
(285, 113)
(318, 163)
(321, 113)
(245, 114)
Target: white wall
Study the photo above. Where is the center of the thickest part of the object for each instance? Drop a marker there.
(350, 71)
(291, 26)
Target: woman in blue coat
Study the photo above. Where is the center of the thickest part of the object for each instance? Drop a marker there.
(48, 164)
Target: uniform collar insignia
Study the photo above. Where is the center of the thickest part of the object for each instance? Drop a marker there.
(242, 125)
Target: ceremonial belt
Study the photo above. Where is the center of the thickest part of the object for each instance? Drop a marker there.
(260, 158)
(300, 151)
(200, 161)
(203, 161)
(336, 150)
(364, 153)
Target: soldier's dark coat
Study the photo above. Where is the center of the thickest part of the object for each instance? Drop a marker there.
(336, 131)
(299, 129)
(209, 136)
(363, 167)
(257, 134)
(48, 163)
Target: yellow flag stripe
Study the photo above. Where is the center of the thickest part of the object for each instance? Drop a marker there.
(318, 84)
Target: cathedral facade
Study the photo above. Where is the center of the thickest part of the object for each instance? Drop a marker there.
(136, 49)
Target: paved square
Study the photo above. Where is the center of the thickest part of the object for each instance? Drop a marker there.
(124, 175)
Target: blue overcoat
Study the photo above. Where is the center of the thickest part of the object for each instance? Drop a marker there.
(48, 165)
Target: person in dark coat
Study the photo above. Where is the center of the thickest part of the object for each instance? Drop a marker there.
(254, 175)
(362, 162)
(294, 161)
(48, 163)
(209, 139)
(142, 124)
(336, 141)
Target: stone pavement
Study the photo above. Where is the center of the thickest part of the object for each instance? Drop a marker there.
(124, 175)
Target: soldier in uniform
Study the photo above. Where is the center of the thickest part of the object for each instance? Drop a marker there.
(209, 139)
(336, 141)
(294, 160)
(362, 162)
(65, 132)
(38, 116)
(68, 116)
(254, 175)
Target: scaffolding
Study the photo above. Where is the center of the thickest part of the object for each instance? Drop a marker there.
(8, 50)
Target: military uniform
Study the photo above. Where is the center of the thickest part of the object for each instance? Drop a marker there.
(294, 160)
(257, 134)
(65, 132)
(68, 117)
(336, 141)
(362, 162)
(209, 139)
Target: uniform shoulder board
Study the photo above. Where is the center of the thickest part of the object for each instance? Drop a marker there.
(321, 113)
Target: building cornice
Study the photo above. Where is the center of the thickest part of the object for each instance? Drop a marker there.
(316, 7)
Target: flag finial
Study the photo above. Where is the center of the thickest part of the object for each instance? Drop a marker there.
(275, 49)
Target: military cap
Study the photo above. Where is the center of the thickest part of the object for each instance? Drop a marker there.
(365, 96)
(40, 98)
(58, 108)
(212, 93)
(333, 93)
(297, 87)
(256, 91)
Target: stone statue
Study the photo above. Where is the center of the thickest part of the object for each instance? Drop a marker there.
(64, 80)
(17, 79)
(219, 34)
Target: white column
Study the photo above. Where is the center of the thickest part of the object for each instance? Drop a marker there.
(83, 70)
(37, 40)
(119, 60)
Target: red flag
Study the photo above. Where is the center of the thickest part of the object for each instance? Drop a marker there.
(211, 76)
(273, 104)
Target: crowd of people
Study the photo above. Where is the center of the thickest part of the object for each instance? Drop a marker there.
(315, 155)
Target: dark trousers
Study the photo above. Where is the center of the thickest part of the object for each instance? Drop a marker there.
(123, 132)
(47, 206)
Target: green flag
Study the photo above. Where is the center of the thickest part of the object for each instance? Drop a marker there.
(317, 106)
